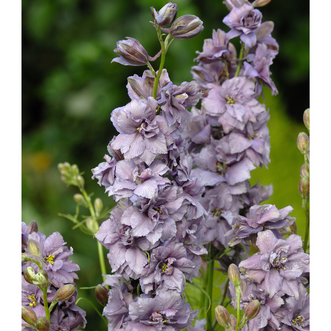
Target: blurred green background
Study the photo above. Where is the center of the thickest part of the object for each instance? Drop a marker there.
(70, 88)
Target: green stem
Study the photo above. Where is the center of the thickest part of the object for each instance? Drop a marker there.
(238, 306)
(163, 54)
(240, 57)
(306, 206)
(94, 307)
(102, 261)
(44, 290)
(210, 276)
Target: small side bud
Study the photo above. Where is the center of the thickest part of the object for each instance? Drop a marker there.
(92, 225)
(251, 310)
(234, 275)
(101, 294)
(64, 293)
(304, 172)
(40, 278)
(43, 324)
(98, 205)
(29, 316)
(34, 247)
(29, 275)
(33, 227)
(260, 3)
(304, 187)
(166, 15)
(80, 181)
(303, 142)
(186, 26)
(306, 118)
(79, 199)
(223, 316)
(131, 52)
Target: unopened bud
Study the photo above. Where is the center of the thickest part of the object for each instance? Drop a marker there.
(101, 294)
(40, 278)
(64, 167)
(79, 199)
(304, 171)
(34, 247)
(131, 52)
(29, 316)
(75, 169)
(98, 205)
(80, 181)
(92, 225)
(43, 324)
(260, 3)
(306, 118)
(303, 142)
(304, 187)
(33, 227)
(251, 310)
(186, 26)
(166, 15)
(222, 316)
(64, 293)
(234, 275)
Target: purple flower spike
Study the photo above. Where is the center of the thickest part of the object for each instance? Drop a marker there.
(143, 134)
(278, 265)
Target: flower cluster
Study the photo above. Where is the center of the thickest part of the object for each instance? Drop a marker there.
(48, 277)
(154, 234)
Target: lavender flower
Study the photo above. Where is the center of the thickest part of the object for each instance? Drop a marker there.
(167, 269)
(143, 134)
(55, 261)
(168, 311)
(243, 21)
(260, 218)
(278, 265)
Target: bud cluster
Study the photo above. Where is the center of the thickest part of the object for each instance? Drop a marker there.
(48, 287)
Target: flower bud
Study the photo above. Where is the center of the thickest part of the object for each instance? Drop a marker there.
(43, 324)
(304, 187)
(101, 294)
(251, 310)
(33, 227)
(166, 15)
(75, 169)
(222, 316)
(186, 26)
(304, 172)
(234, 275)
(34, 247)
(131, 53)
(303, 142)
(29, 316)
(260, 3)
(64, 293)
(98, 205)
(79, 199)
(40, 278)
(80, 181)
(29, 275)
(306, 118)
(92, 225)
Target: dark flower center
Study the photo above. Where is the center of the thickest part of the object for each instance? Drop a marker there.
(217, 212)
(230, 101)
(278, 262)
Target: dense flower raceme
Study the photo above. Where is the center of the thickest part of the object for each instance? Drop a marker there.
(53, 255)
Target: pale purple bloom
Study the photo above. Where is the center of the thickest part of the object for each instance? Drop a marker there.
(278, 265)
(125, 250)
(198, 326)
(259, 69)
(295, 314)
(168, 266)
(142, 87)
(214, 49)
(233, 104)
(143, 134)
(138, 180)
(167, 312)
(175, 101)
(243, 21)
(260, 218)
(55, 261)
(205, 74)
